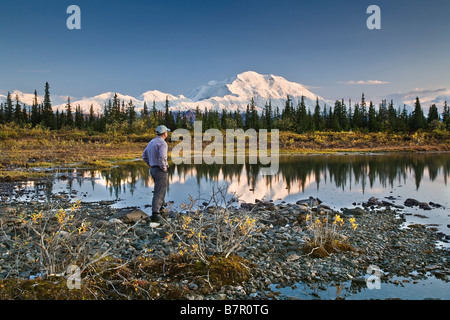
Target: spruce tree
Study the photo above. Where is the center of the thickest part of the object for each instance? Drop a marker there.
(2, 114)
(254, 115)
(382, 117)
(57, 120)
(115, 109)
(417, 119)
(301, 116)
(184, 122)
(79, 118)
(145, 112)
(223, 119)
(9, 113)
(91, 119)
(25, 115)
(168, 118)
(18, 111)
(363, 112)
(178, 120)
(268, 115)
(403, 121)
(34, 111)
(69, 115)
(239, 121)
(334, 124)
(372, 118)
(446, 116)
(47, 112)
(392, 124)
(131, 114)
(154, 116)
(317, 117)
(123, 114)
(357, 123)
(247, 120)
(433, 114)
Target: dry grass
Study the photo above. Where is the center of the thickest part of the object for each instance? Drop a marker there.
(42, 148)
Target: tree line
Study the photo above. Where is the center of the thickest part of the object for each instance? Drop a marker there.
(119, 115)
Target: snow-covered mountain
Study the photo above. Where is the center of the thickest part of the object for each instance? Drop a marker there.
(231, 94)
(236, 93)
(98, 102)
(26, 98)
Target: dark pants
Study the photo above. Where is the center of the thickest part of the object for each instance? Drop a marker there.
(161, 179)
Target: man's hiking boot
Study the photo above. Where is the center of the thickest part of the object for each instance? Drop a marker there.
(157, 218)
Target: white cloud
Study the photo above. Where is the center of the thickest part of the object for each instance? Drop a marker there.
(312, 87)
(363, 82)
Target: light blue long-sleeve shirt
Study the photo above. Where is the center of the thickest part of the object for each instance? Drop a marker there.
(155, 154)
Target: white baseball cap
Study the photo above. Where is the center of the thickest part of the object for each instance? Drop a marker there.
(161, 129)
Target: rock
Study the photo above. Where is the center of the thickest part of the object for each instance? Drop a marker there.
(411, 202)
(268, 204)
(292, 258)
(387, 203)
(354, 212)
(107, 202)
(436, 205)
(115, 221)
(373, 201)
(154, 225)
(247, 206)
(193, 286)
(360, 281)
(134, 216)
(424, 206)
(311, 202)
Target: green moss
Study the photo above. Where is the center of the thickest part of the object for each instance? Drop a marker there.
(325, 249)
(228, 271)
(54, 288)
(12, 175)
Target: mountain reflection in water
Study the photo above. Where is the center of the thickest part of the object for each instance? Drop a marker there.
(325, 176)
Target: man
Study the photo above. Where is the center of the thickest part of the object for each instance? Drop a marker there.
(155, 155)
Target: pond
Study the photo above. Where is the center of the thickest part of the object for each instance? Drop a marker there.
(342, 180)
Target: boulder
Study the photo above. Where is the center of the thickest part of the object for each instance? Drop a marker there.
(134, 216)
(311, 202)
(411, 202)
(353, 212)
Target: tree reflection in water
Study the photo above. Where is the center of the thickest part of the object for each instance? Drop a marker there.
(343, 171)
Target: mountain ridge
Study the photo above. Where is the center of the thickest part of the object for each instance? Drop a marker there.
(232, 94)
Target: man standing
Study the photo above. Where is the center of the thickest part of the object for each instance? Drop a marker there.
(155, 155)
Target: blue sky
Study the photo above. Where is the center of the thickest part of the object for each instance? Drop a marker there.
(174, 46)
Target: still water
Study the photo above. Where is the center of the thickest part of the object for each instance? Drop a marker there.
(343, 180)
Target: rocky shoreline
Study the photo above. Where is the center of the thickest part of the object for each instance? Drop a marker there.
(274, 253)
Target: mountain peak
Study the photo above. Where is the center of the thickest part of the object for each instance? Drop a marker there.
(232, 94)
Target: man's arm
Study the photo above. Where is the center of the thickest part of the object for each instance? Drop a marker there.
(145, 156)
(163, 156)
